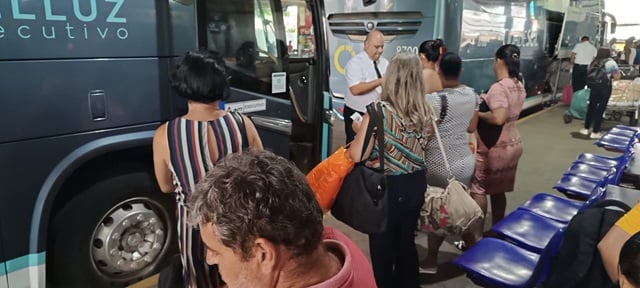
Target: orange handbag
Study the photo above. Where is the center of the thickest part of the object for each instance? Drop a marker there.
(326, 178)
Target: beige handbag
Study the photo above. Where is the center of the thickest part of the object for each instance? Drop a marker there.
(449, 210)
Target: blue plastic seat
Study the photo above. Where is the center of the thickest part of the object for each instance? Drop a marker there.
(552, 207)
(588, 171)
(527, 230)
(620, 131)
(576, 187)
(616, 143)
(625, 127)
(597, 160)
(496, 263)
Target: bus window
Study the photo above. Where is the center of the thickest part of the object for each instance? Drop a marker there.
(243, 31)
(299, 29)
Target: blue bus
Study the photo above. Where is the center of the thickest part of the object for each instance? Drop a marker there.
(85, 84)
(474, 29)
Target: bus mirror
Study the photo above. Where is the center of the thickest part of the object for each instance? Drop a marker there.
(368, 2)
(614, 26)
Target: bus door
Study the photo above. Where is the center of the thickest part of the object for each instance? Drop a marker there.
(4, 282)
(278, 86)
(405, 24)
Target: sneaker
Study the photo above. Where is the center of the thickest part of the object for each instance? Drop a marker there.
(596, 135)
(584, 132)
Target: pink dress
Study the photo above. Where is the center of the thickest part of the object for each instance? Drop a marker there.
(496, 167)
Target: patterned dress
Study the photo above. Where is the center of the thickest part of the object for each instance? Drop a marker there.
(462, 103)
(496, 166)
(190, 161)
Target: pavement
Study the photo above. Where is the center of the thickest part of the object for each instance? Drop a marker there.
(550, 146)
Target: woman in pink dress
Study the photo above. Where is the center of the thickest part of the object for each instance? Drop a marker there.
(499, 142)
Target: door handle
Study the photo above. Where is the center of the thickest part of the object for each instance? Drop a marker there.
(272, 123)
(302, 81)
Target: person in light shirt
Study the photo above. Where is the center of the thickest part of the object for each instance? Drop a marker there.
(364, 74)
(581, 56)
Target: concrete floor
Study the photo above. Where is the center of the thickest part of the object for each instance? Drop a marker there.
(550, 146)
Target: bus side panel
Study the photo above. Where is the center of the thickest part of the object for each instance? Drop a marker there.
(343, 45)
(57, 97)
(24, 181)
(484, 28)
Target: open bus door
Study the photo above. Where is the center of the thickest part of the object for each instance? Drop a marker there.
(4, 282)
(279, 86)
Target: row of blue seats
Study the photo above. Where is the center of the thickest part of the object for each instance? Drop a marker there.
(529, 236)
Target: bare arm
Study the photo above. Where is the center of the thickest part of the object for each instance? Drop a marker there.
(496, 117)
(252, 134)
(160, 160)
(616, 75)
(356, 146)
(572, 60)
(473, 124)
(609, 248)
(365, 87)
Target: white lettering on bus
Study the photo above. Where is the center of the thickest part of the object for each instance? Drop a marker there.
(1, 32)
(20, 32)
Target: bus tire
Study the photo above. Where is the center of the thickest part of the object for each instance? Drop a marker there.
(116, 232)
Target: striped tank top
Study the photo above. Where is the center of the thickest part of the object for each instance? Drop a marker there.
(190, 161)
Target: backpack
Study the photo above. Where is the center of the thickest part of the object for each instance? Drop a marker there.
(578, 263)
(597, 75)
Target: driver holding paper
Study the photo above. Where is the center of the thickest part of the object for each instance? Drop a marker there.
(364, 77)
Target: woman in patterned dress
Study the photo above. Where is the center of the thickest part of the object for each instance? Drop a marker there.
(457, 106)
(185, 149)
(498, 149)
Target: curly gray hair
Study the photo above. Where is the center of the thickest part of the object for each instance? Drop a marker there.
(258, 195)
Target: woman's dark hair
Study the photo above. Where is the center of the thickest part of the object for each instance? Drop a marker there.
(630, 260)
(431, 49)
(603, 53)
(510, 54)
(201, 76)
(451, 65)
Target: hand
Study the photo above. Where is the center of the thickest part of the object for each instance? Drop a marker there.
(356, 126)
(571, 70)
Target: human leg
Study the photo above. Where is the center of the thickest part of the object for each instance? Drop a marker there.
(591, 111)
(498, 207)
(603, 95)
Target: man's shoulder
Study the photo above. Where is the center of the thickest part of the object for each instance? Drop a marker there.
(357, 60)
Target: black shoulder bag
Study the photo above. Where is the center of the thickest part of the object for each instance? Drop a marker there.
(489, 133)
(361, 202)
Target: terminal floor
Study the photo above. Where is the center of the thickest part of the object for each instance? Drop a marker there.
(550, 146)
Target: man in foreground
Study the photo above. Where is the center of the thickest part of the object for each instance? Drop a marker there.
(261, 224)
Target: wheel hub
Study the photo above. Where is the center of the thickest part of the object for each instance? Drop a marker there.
(129, 238)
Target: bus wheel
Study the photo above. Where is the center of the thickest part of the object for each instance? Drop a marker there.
(117, 232)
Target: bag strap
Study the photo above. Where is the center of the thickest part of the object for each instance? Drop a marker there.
(444, 155)
(375, 121)
(444, 106)
(243, 129)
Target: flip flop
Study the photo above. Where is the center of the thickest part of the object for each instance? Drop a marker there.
(430, 271)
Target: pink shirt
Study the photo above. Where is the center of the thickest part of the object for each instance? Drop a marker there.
(356, 271)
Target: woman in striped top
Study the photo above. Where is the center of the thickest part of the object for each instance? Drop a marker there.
(407, 126)
(185, 149)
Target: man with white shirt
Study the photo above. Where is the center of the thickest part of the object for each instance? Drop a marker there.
(364, 78)
(581, 57)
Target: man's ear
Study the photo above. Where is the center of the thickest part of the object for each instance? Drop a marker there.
(266, 255)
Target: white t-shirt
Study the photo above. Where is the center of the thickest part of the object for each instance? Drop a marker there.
(358, 70)
(585, 52)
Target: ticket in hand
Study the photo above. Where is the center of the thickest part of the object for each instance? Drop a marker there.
(356, 117)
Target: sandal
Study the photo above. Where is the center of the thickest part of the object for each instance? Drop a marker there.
(460, 245)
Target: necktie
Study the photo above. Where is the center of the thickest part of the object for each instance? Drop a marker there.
(375, 65)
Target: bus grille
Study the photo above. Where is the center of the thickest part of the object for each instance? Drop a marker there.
(357, 25)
